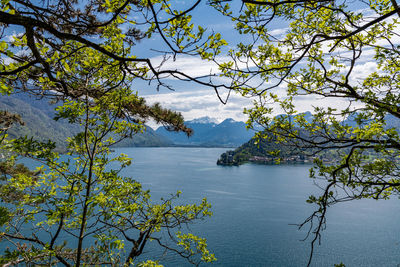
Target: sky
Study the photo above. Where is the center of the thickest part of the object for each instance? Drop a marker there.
(194, 100)
(191, 99)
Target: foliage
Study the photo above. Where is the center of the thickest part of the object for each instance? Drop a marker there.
(56, 40)
(81, 198)
(38, 115)
(81, 54)
(36, 118)
(255, 147)
(345, 52)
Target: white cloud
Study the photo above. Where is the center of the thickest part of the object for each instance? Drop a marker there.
(202, 103)
(198, 103)
(194, 66)
(307, 103)
(362, 71)
(6, 61)
(278, 32)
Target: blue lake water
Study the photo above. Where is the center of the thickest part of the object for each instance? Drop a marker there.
(255, 205)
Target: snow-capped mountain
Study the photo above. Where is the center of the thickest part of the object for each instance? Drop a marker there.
(208, 132)
(204, 120)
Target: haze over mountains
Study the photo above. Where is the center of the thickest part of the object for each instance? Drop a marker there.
(39, 123)
(208, 132)
(38, 117)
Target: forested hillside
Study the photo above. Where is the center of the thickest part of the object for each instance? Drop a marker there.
(39, 123)
(38, 120)
(269, 151)
(263, 151)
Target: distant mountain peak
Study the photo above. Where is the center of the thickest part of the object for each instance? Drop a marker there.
(229, 133)
(229, 120)
(204, 120)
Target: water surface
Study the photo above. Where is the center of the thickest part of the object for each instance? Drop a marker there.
(255, 205)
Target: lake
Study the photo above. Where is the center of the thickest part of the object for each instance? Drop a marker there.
(255, 205)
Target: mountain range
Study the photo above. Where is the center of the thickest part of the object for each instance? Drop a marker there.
(208, 132)
(38, 116)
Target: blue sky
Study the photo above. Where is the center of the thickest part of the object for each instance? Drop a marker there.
(191, 99)
(194, 100)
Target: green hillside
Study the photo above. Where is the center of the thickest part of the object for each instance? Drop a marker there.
(38, 120)
(39, 124)
(263, 152)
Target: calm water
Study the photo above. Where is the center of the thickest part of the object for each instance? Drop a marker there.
(254, 206)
